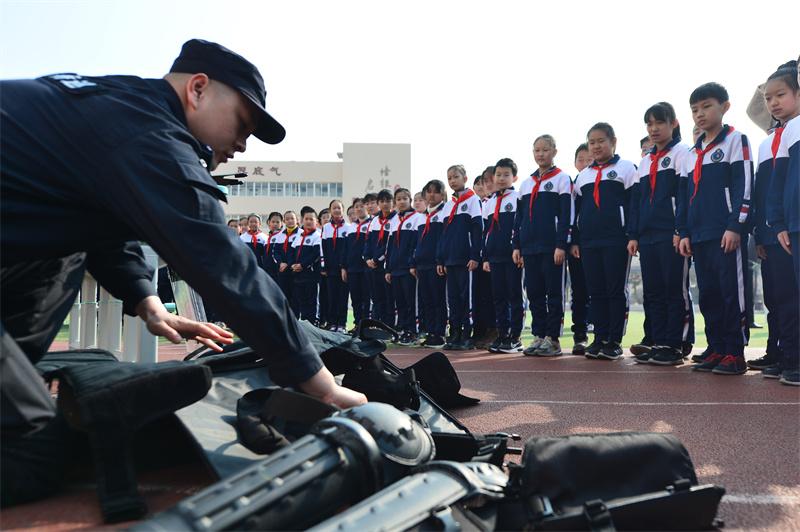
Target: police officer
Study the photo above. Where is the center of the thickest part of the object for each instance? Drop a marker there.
(136, 153)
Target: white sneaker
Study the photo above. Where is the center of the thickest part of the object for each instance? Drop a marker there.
(548, 348)
(531, 350)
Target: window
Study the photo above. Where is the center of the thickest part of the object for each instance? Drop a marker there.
(322, 189)
(276, 189)
(292, 189)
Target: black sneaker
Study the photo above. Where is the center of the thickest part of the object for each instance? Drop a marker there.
(610, 351)
(511, 344)
(764, 362)
(453, 339)
(406, 339)
(494, 347)
(593, 349)
(702, 356)
(465, 344)
(642, 347)
(644, 358)
(731, 365)
(580, 341)
(433, 341)
(772, 372)
(686, 349)
(709, 362)
(791, 377)
(666, 356)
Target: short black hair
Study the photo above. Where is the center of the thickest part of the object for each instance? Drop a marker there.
(306, 209)
(370, 197)
(643, 140)
(273, 214)
(477, 181)
(434, 185)
(385, 195)
(403, 191)
(708, 90)
(324, 211)
(580, 148)
(605, 127)
(506, 163)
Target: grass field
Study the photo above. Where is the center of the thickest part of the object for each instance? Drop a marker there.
(633, 333)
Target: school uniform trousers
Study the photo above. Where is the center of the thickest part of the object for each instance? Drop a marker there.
(606, 269)
(460, 298)
(358, 286)
(382, 300)
(404, 290)
(720, 279)
(306, 294)
(667, 303)
(432, 300)
(580, 297)
(337, 297)
(781, 298)
(506, 283)
(545, 284)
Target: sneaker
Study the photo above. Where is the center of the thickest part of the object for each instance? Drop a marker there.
(665, 356)
(764, 362)
(610, 351)
(644, 358)
(791, 377)
(433, 341)
(494, 347)
(453, 339)
(686, 349)
(486, 339)
(405, 339)
(642, 347)
(731, 365)
(511, 345)
(702, 356)
(580, 342)
(709, 362)
(465, 344)
(593, 349)
(772, 372)
(531, 350)
(549, 348)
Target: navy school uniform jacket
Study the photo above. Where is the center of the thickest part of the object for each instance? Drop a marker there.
(307, 251)
(273, 251)
(257, 242)
(334, 237)
(721, 199)
(401, 243)
(763, 233)
(653, 208)
(284, 242)
(377, 237)
(462, 231)
(783, 202)
(497, 233)
(355, 240)
(606, 224)
(543, 222)
(429, 231)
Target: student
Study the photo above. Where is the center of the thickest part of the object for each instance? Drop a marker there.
(603, 195)
(399, 255)
(305, 256)
(375, 255)
(333, 258)
(285, 241)
(371, 203)
(477, 186)
(484, 333)
(541, 238)
(458, 255)
(782, 94)
(354, 270)
(432, 298)
(665, 273)
(419, 202)
(712, 210)
(272, 257)
(645, 144)
(487, 180)
(255, 238)
(504, 275)
(323, 218)
(579, 305)
(242, 224)
(234, 225)
(351, 215)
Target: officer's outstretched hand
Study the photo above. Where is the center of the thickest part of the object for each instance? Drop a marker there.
(174, 328)
(323, 387)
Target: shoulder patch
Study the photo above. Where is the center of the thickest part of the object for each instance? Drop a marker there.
(665, 162)
(73, 83)
(464, 208)
(612, 174)
(548, 186)
(717, 155)
(508, 207)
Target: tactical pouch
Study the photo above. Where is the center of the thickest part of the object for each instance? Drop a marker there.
(619, 481)
(110, 401)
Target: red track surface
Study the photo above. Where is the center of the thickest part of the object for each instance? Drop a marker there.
(742, 432)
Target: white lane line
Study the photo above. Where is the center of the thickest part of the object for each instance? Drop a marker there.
(746, 498)
(620, 403)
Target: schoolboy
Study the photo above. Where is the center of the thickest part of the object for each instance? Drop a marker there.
(432, 298)
(399, 255)
(354, 270)
(458, 255)
(272, 259)
(333, 258)
(255, 239)
(506, 278)
(483, 330)
(371, 203)
(712, 214)
(284, 241)
(305, 257)
(579, 304)
(375, 255)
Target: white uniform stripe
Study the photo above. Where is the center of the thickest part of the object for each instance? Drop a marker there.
(563, 294)
(469, 298)
(627, 296)
(687, 303)
(740, 291)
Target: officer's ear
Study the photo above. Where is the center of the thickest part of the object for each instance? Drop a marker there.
(195, 89)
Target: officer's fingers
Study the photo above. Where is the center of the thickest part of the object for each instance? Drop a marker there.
(222, 333)
(208, 343)
(192, 329)
(161, 328)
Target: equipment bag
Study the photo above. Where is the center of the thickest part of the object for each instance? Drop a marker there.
(628, 480)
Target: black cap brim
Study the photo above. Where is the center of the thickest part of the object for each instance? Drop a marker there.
(268, 129)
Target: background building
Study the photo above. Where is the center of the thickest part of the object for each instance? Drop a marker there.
(289, 185)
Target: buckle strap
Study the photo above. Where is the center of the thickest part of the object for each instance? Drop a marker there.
(597, 516)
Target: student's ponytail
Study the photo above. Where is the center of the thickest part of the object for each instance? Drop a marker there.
(787, 73)
(664, 112)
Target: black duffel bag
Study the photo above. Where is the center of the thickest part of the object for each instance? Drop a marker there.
(618, 481)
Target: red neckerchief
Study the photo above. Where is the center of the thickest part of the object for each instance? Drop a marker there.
(428, 219)
(253, 237)
(535, 192)
(496, 215)
(776, 142)
(654, 157)
(358, 228)
(598, 178)
(289, 232)
(701, 153)
(303, 236)
(400, 225)
(269, 240)
(336, 225)
(382, 221)
(458, 201)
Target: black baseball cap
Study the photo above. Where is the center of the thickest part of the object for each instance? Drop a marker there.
(230, 68)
